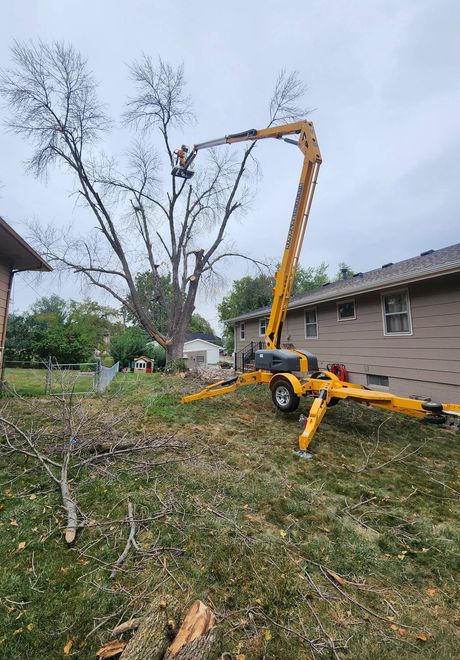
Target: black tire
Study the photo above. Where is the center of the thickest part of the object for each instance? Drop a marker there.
(434, 419)
(432, 406)
(284, 397)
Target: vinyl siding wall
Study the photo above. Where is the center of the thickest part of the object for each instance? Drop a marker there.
(425, 363)
(4, 282)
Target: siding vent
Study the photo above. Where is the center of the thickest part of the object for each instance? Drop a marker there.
(423, 254)
(390, 263)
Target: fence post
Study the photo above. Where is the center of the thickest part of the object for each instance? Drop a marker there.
(97, 375)
(48, 377)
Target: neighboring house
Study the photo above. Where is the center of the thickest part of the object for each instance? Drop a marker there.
(201, 353)
(143, 365)
(395, 328)
(15, 255)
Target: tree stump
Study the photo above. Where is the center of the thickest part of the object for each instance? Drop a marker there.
(197, 638)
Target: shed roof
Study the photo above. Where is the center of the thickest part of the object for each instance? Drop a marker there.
(143, 357)
(203, 341)
(16, 253)
(428, 264)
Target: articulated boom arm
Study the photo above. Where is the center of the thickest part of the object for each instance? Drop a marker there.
(286, 382)
(284, 278)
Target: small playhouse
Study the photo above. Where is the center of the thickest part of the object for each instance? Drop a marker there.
(143, 365)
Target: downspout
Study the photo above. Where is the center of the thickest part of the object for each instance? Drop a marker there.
(3, 338)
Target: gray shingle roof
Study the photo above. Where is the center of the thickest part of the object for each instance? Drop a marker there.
(428, 264)
(206, 336)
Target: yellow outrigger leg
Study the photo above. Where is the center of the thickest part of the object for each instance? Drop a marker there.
(327, 390)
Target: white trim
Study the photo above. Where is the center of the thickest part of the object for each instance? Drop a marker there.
(409, 314)
(204, 342)
(263, 318)
(308, 309)
(348, 318)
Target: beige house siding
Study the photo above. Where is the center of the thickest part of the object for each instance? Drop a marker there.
(425, 363)
(4, 284)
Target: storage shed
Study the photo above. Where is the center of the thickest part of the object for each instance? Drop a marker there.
(200, 353)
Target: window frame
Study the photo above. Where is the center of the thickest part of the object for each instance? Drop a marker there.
(349, 318)
(263, 319)
(384, 314)
(379, 385)
(310, 309)
(242, 331)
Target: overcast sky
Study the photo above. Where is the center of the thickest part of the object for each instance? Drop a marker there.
(383, 80)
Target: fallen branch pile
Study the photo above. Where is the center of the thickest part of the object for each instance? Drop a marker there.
(59, 444)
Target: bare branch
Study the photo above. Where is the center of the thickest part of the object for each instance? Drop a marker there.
(161, 101)
(285, 103)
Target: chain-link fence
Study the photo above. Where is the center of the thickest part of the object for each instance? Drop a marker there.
(36, 378)
(106, 375)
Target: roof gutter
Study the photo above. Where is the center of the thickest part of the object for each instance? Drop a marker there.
(42, 264)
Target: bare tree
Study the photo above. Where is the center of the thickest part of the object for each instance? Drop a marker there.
(177, 234)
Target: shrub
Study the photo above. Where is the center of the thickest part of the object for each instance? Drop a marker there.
(158, 354)
(177, 365)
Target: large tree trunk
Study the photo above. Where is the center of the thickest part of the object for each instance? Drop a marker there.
(175, 349)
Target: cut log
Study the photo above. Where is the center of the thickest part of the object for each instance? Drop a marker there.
(151, 640)
(197, 638)
(206, 647)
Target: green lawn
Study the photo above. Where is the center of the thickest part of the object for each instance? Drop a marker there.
(31, 382)
(353, 554)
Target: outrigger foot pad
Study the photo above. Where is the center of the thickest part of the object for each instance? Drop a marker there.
(303, 454)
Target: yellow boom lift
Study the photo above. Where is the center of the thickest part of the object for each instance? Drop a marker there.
(289, 373)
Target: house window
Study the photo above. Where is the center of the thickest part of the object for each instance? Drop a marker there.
(311, 323)
(396, 313)
(381, 381)
(262, 327)
(241, 330)
(346, 310)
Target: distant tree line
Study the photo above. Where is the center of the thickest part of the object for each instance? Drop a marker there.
(67, 331)
(73, 332)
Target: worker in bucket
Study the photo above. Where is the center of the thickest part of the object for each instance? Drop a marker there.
(181, 155)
